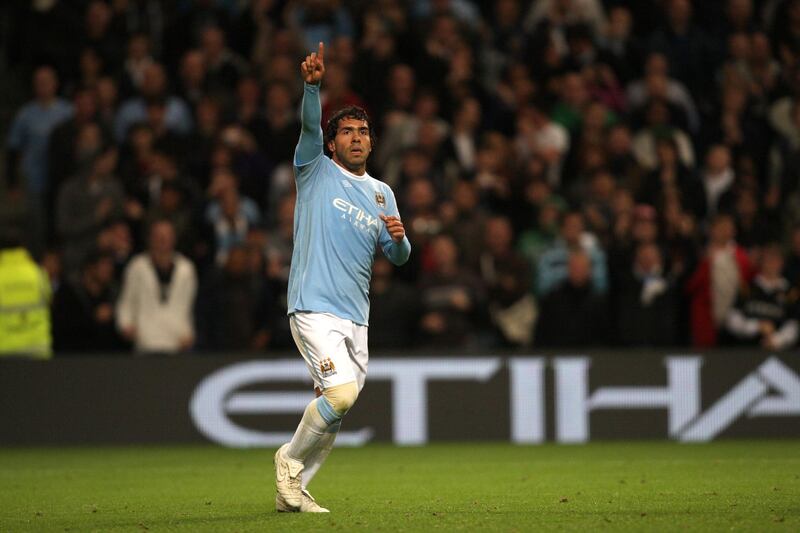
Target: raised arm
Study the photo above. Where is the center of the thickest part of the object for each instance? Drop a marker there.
(309, 147)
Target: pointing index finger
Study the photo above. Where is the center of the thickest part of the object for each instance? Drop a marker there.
(321, 52)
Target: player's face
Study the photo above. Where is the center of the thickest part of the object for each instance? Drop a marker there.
(352, 144)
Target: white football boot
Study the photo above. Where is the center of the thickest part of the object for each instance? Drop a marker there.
(287, 479)
(307, 504)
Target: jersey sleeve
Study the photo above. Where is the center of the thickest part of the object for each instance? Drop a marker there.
(307, 154)
(397, 252)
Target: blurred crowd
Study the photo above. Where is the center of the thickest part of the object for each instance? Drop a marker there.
(570, 172)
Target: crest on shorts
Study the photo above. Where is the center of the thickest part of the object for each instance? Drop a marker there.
(381, 199)
(327, 367)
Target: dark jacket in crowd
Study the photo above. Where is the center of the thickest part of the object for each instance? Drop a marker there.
(231, 311)
(763, 301)
(393, 316)
(647, 316)
(77, 326)
(572, 316)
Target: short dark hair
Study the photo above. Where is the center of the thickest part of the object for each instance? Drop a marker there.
(354, 112)
(94, 256)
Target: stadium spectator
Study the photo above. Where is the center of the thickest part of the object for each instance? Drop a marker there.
(628, 236)
(573, 99)
(462, 143)
(558, 14)
(247, 107)
(28, 138)
(165, 138)
(541, 236)
(620, 160)
(154, 310)
(185, 27)
(597, 197)
(319, 21)
(766, 312)
(658, 123)
(452, 299)
(137, 60)
(83, 310)
(573, 314)
(63, 156)
(203, 138)
(107, 94)
(91, 68)
(25, 295)
(647, 302)
(277, 247)
(538, 136)
(229, 214)
(223, 66)
(422, 220)
(193, 78)
(619, 47)
(174, 204)
(657, 84)
(718, 180)
(504, 274)
(401, 87)
(85, 204)
(464, 219)
(671, 174)
(716, 281)
(688, 49)
(117, 241)
(394, 309)
(553, 267)
(233, 306)
(756, 225)
(177, 116)
(102, 34)
(337, 93)
(159, 167)
(143, 17)
(248, 162)
(282, 126)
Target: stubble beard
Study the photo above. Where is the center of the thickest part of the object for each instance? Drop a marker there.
(354, 167)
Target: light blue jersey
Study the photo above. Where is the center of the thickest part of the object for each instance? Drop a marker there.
(337, 228)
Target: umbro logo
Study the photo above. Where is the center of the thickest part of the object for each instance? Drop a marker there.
(347, 184)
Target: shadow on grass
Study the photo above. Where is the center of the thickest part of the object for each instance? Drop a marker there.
(221, 522)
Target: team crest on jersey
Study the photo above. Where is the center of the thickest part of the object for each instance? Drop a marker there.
(381, 199)
(327, 367)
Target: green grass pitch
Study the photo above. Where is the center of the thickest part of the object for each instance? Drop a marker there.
(645, 486)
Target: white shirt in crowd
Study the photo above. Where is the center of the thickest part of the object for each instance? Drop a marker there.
(161, 321)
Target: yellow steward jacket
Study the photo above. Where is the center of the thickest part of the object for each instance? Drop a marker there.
(24, 306)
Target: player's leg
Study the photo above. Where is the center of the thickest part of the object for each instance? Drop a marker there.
(321, 452)
(322, 414)
(359, 356)
(322, 342)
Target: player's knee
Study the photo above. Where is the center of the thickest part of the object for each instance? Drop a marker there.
(341, 397)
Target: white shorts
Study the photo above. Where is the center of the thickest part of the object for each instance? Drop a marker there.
(335, 349)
